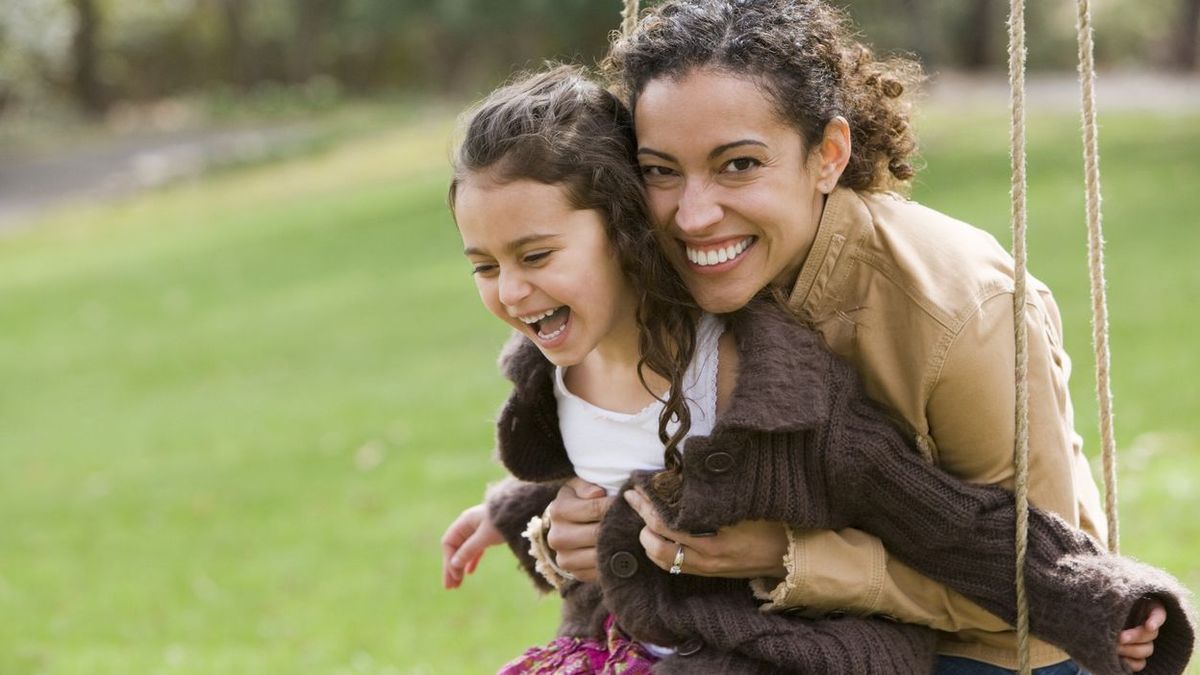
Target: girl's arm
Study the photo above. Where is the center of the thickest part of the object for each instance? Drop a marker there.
(510, 505)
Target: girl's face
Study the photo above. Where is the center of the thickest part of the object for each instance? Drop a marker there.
(544, 267)
(730, 186)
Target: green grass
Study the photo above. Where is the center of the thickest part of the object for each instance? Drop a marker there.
(236, 414)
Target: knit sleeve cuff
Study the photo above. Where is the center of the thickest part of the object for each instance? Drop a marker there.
(511, 503)
(542, 554)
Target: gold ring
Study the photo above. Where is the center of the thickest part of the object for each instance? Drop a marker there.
(677, 566)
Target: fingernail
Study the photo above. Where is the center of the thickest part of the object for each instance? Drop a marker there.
(630, 496)
(455, 562)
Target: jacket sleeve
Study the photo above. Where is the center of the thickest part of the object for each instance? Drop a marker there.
(963, 535)
(511, 503)
(826, 574)
(971, 410)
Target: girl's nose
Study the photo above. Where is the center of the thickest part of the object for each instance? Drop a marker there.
(514, 287)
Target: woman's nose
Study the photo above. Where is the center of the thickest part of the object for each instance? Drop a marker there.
(698, 209)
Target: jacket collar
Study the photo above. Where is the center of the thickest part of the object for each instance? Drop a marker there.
(783, 372)
(843, 221)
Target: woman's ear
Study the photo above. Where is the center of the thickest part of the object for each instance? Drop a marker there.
(832, 154)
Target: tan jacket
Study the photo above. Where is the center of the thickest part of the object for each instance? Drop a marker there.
(921, 304)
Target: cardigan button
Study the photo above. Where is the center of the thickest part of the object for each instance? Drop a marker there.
(719, 462)
(623, 564)
(690, 647)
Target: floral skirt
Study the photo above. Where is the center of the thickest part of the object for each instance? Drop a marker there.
(616, 655)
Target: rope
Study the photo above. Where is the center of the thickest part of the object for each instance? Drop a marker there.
(1016, 82)
(1091, 164)
(629, 17)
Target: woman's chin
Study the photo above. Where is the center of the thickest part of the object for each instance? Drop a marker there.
(721, 296)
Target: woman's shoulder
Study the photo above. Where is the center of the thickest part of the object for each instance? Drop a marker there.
(940, 263)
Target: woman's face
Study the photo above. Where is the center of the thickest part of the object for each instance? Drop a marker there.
(544, 267)
(732, 189)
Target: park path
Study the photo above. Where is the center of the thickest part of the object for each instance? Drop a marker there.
(112, 167)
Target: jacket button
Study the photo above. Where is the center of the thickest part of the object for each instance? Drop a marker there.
(690, 647)
(719, 462)
(623, 564)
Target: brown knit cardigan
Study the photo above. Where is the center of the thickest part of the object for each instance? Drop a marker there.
(801, 443)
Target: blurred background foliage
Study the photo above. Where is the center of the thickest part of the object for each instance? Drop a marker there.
(244, 378)
(96, 53)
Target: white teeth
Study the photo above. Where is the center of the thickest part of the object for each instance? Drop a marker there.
(551, 336)
(534, 318)
(718, 256)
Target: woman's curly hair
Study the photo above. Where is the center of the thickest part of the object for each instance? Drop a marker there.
(804, 55)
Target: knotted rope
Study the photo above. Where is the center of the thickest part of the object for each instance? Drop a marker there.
(1091, 161)
(1091, 165)
(629, 16)
(1016, 83)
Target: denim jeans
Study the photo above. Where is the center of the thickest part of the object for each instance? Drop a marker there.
(956, 665)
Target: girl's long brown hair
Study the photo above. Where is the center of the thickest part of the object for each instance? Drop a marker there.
(559, 127)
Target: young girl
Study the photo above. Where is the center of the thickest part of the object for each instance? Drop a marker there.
(613, 368)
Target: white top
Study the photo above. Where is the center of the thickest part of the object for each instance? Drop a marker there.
(605, 447)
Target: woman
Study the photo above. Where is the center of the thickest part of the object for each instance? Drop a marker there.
(765, 129)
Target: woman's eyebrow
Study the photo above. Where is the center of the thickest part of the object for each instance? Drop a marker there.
(716, 152)
(723, 148)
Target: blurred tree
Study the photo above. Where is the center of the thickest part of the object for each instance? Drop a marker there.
(234, 54)
(977, 35)
(85, 57)
(1187, 37)
(92, 52)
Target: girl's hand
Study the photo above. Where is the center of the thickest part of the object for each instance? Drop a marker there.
(749, 549)
(1136, 644)
(575, 527)
(464, 543)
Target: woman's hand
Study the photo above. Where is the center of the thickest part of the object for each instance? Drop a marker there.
(749, 549)
(464, 543)
(575, 527)
(1136, 644)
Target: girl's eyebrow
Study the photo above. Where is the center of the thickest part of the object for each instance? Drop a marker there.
(514, 244)
(716, 152)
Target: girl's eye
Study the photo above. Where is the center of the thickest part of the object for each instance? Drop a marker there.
(741, 164)
(537, 257)
(483, 269)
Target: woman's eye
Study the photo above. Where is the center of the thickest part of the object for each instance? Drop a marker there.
(741, 164)
(536, 257)
(483, 269)
(655, 171)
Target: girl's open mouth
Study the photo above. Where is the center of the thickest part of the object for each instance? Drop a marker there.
(552, 326)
